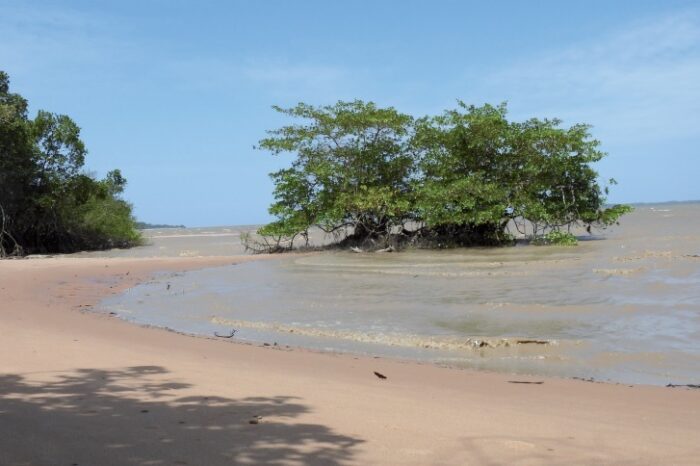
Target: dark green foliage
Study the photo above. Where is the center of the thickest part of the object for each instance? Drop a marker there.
(352, 169)
(47, 204)
(556, 237)
(482, 173)
(461, 178)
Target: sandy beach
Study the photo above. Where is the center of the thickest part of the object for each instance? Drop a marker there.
(79, 388)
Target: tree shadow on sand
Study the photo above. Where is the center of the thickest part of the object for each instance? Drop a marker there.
(136, 416)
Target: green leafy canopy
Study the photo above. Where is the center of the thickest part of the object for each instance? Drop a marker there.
(463, 177)
(47, 202)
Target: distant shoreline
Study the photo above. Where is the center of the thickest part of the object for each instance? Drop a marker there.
(152, 226)
(695, 201)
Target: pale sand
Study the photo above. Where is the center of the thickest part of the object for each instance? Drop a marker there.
(78, 388)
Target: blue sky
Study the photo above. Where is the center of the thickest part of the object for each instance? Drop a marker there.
(177, 93)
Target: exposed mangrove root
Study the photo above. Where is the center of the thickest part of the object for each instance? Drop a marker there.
(9, 247)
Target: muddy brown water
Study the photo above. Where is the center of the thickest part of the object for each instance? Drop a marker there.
(623, 306)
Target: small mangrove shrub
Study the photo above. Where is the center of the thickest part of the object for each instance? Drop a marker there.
(555, 238)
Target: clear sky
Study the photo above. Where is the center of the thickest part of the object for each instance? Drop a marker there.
(177, 93)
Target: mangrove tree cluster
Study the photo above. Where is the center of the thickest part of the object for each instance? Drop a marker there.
(377, 177)
(47, 202)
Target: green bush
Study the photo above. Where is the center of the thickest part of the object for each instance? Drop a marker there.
(556, 237)
(458, 178)
(47, 203)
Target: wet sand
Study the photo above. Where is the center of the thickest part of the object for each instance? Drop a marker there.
(85, 389)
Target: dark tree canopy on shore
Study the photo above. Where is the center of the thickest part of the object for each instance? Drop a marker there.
(47, 202)
(461, 178)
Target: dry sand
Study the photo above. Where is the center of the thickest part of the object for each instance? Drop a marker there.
(78, 388)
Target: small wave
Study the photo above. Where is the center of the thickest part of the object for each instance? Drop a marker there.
(188, 253)
(416, 270)
(469, 265)
(391, 339)
(446, 274)
(619, 272)
(646, 255)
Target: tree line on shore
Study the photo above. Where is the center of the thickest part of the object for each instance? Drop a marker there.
(376, 178)
(48, 203)
(371, 177)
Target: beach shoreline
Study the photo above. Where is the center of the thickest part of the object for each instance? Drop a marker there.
(65, 368)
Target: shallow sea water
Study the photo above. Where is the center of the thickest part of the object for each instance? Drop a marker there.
(623, 306)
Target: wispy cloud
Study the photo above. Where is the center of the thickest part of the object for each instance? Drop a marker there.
(47, 44)
(640, 83)
(38, 44)
(294, 74)
(276, 79)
